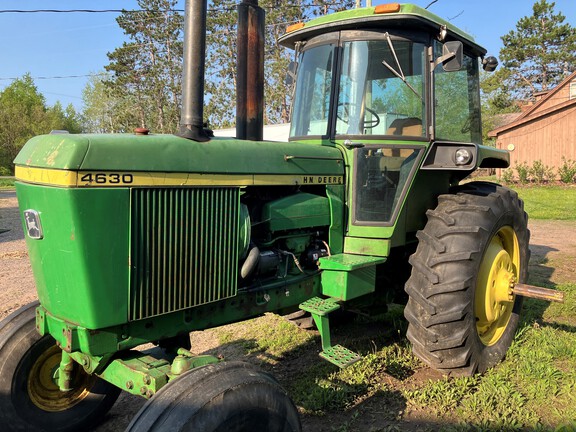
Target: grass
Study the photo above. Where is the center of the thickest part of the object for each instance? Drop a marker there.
(556, 202)
(532, 389)
(549, 202)
(269, 334)
(6, 183)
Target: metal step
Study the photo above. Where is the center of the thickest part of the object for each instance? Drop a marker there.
(340, 356)
(319, 306)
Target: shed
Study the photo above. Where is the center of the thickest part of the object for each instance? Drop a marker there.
(544, 131)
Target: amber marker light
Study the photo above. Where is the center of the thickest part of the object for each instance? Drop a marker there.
(293, 27)
(387, 8)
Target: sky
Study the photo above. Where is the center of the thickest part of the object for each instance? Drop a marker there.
(74, 45)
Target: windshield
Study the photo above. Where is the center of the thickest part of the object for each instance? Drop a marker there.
(313, 88)
(382, 88)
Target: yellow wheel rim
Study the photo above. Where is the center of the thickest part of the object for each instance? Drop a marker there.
(43, 383)
(494, 300)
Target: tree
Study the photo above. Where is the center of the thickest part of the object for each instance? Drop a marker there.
(146, 71)
(104, 113)
(220, 82)
(221, 57)
(145, 83)
(24, 114)
(536, 56)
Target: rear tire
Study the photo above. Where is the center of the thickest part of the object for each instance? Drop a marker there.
(30, 399)
(222, 397)
(462, 317)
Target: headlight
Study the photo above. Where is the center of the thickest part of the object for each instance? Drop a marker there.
(33, 225)
(462, 156)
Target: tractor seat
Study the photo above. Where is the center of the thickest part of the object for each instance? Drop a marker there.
(410, 126)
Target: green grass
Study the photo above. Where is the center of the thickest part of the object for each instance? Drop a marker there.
(543, 202)
(269, 334)
(532, 389)
(549, 202)
(6, 183)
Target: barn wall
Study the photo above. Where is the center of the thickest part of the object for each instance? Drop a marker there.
(547, 138)
(561, 96)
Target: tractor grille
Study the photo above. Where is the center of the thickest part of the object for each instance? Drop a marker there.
(184, 248)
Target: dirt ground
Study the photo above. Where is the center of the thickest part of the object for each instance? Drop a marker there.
(553, 247)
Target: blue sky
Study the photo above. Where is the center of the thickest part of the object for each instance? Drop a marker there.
(57, 44)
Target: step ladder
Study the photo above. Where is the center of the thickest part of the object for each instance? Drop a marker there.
(337, 354)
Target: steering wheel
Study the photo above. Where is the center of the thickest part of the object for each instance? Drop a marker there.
(345, 116)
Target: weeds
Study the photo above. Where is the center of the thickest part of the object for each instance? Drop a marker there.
(567, 171)
(523, 171)
(507, 176)
(540, 173)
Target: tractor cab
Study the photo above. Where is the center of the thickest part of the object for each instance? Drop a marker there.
(396, 88)
(375, 75)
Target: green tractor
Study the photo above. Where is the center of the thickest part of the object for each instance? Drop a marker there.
(142, 238)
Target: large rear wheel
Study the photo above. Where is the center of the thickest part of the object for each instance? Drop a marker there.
(30, 399)
(462, 313)
(222, 397)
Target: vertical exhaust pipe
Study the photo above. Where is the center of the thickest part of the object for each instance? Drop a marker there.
(250, 71)
(192, 114)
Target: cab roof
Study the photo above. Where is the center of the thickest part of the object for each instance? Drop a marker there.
(391, 15)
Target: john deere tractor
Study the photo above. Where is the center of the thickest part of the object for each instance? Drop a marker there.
(142, 238)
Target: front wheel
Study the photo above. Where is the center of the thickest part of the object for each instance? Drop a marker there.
(462, 313)
(30, 399)
(222, 397)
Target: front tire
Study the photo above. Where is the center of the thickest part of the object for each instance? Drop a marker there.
(222, 397)
(30, 399)
(461, 312)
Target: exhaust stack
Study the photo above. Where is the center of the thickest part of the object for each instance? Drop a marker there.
(192, 114)
(250, 71)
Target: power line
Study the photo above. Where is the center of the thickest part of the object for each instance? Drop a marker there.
(221, 9)
(56, 77)
(25, 11)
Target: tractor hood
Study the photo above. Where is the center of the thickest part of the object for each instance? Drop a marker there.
(63, 159)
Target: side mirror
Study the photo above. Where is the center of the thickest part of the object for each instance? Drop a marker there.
(291, 73)
(490, 63)
(452, 56)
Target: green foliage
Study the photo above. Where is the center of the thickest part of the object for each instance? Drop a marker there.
(221, 58)
(24, 114)
(507, 176)
(540, 173)
(6, 183)
(523, 171)
(567, 171)
(145, 80)
(102, 112)
(442, 395)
